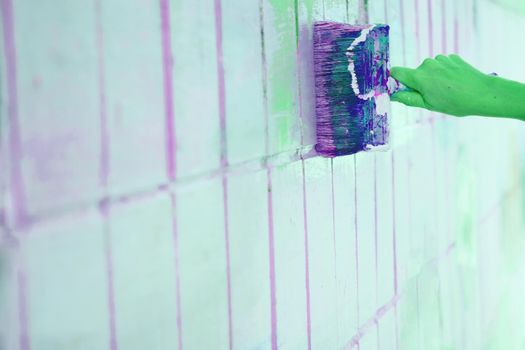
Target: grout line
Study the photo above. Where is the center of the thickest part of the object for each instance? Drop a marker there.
(443, 27)
(271, 245)
(430, 29)
(334, 245)
(306, 264)
(391, 305)
(167, 65)
(176, 250)
(104, 165)
(376, 262)
(23, 318)
(224, 162)
(14, 142)
(356, 239)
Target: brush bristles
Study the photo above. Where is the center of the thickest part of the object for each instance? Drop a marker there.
(351, 73)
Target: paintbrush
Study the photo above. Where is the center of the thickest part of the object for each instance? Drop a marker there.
(352, 87)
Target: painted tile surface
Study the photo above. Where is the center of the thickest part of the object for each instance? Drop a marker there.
(158, 189)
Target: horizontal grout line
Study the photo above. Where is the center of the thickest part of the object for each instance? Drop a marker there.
(117, 198)
(391, 304)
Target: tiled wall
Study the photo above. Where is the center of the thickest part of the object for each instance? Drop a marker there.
(159, 190)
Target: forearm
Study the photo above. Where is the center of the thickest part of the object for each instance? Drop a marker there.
(507, 99)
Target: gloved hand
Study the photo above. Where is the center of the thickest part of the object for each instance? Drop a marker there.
(448, 84)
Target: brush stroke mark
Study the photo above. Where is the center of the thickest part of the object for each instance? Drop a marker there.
(14, 138)
(23, 312)
(271, 241)
(167, 66)
(176, 249)
(223, 160)
(104, 204)
(306, 261)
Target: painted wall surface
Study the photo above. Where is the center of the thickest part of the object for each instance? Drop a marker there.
(158, 191)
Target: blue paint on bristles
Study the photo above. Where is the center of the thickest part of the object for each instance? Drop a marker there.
(352, 87)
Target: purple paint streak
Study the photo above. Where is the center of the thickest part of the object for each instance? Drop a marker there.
(167, 65)
(306, 262)
(176, 248)
(23, 318)
(15, 143)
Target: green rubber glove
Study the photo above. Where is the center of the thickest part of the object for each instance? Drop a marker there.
(448, 84)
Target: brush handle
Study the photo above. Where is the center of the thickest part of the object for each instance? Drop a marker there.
(394, 86)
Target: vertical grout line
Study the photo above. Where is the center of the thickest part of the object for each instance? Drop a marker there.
(271, 242)
(14, 142)
(303, 171)
(104, 205)
(167, 65)
(394, 246)
(23, 318)
(306, 259)
(403, 32)
(176, 248)
(375, 226)
(224, 161)
(443, 27)
(171, 154)
(356, 238)
(430, 29)
(15, 171)
(456, 28)
(335, 244)
(417, 31)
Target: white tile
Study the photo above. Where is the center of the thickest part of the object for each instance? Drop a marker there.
(245, 122)
(134, 94)
(58, 102)
(195, 86)
(202, 251)
(144, 275)
(322, 248)
(290, 267)
(249, 254)
(66, 279)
